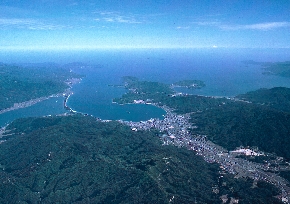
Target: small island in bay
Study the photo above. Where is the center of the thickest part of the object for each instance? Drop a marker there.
(226, 152)
(224, 126)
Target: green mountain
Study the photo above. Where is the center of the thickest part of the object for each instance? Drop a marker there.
(77, 159)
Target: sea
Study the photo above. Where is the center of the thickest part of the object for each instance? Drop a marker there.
(223, 70)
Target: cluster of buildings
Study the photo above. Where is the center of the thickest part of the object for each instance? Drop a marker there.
(175, 129)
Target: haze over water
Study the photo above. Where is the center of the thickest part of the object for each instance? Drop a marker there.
(222, 70)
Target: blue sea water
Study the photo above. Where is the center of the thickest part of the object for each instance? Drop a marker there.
(222, 70)
(51, 106)
(94, 96)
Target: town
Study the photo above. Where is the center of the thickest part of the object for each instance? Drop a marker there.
(175, 130)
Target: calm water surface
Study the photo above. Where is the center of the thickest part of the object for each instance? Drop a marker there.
(221, 70)
(52, 106)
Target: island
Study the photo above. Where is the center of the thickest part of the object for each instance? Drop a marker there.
(205, 150)
(217, 128)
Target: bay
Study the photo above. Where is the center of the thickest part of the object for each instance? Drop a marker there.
(222, 71)
(94, 96)
(51, 106)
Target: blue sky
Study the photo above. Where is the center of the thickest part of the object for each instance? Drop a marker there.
(91, 24)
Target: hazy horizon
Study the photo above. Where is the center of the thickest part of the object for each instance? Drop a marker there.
(93, 57)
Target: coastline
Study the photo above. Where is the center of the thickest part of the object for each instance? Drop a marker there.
(175, 132)
(65, 106)
(68, 92)
(25, 104)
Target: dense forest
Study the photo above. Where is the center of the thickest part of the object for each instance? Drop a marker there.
(77, 159)
(22, 83)
(242, 124)
(260, 118)
(277, 98)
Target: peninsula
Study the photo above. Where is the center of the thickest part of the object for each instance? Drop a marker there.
(24, 86)
(207, 125)
(226, 152)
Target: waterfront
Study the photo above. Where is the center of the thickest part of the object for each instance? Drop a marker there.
(174, 130)
(43, 106)
(223, 73)
(51, 106)
(94, 94)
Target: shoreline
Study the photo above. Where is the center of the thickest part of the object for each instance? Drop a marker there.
(67, 92)
(65, 106)
(32, 102)
(177, 135)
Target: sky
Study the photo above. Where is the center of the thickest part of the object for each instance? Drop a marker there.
(93, 24)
